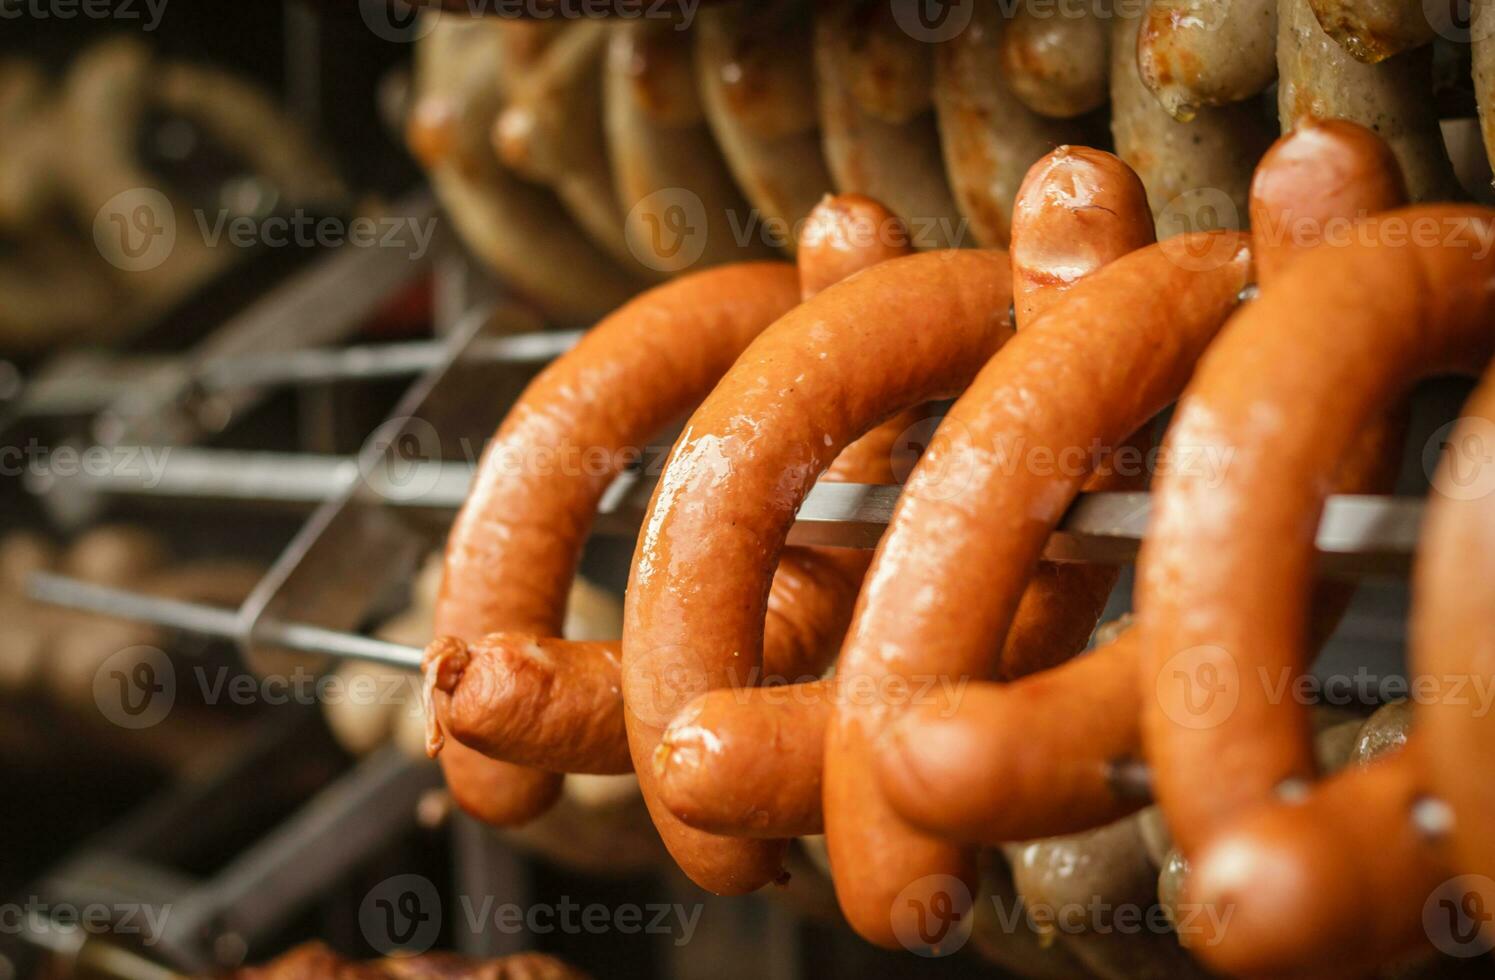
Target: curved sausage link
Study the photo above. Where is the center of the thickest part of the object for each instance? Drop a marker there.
(1140, 323)
(746, 762)
(1194, 53)
(515, 544)
(1011, 762)
(894, 336)
(525, 697)
(1280, 878)
(1409, 298)
(1451, 636)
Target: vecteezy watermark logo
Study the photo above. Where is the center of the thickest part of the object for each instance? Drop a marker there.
(658, 683)
(401, 459)
(135, 688)
(1460, 21)
(932, 916)
(136, 230)
(1459, 458)
(932, 21)
(1459, 916)
(395, 20)
(572, 918)
(668, 229)
(401, 914)
(1195, 210)
(37, 917)
(147, 12)
(939, 456)
(1200, 687)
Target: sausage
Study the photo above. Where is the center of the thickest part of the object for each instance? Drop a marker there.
(1055, 61)
(1085, 886)
(1374, 30)
(1403, 306)
(755, 71)
(1197, 173)
(873, 85)
(714, 775)
(1016, 761)
(1195, 53)
(550, 132)
(739, 471)
(1076, 210)
(1288, 872)
(683, 210)
(988, 136)
(514, 547)
(515, 227)
(981, 559)
(1021, 948)
(1316, 77)
(1450, 633)
(1326, 172)
(554, 704)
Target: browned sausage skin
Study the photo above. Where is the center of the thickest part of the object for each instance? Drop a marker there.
(895, 335)
(1403, 305)
(514, 547)
(907, 630)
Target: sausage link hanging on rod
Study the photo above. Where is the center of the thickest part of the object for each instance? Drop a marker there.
(1194, 53)
(1316, 77)
(1151, 316)
(874, 83)
(756, 72)
(682, 207)
(989, 138)
(896, 335)
(1197, 173)
(1451, 635)
(935, 768)
(525, 696)
(551, 132)
(514, 547)
(1408, 298)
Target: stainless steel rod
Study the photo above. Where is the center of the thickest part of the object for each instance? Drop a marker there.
(192, 617)
(1357, 534)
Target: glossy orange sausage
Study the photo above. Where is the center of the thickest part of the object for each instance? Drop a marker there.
(513, 550)
(1287, 871)
(1226, 568)
(527, 698)
(1010, 762)
(747, 761)
(975, 525)
(1077, 209)
(967, 792)
(893, 336)
(1451, 635)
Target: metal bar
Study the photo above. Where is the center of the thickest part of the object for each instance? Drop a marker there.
(93, 386)
(228, 624)
(1357, 534)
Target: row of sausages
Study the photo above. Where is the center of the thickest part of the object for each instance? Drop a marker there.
(1077, 337)
(585, 160)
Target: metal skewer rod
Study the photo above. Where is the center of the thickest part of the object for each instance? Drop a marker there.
(1357, 534)
(97, 386)
(215, 621)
